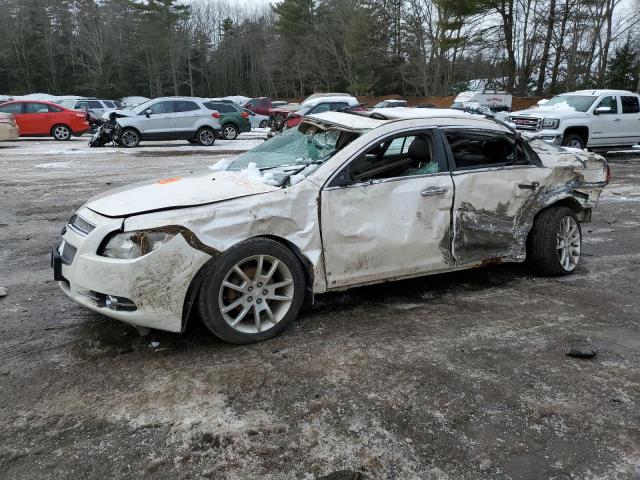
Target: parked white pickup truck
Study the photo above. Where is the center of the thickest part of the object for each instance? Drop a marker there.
(594, 119)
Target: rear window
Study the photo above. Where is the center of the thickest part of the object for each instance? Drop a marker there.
(185, 106)
(95, 104)
(221, 107)
(109, 104)
(37, 108)
(630, 105)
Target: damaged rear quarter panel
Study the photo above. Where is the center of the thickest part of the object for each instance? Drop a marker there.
(493, 215)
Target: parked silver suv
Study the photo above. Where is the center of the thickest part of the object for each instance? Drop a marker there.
(167, 118)
(98, 107)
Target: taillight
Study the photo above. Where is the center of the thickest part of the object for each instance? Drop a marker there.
(244, 115)
(215, 115)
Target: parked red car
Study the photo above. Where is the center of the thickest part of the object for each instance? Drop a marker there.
(260, 105)
(44, 119)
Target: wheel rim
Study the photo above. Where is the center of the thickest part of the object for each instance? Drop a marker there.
(206, 137)
(568, 243)
(256, 294)
(574, 143)
(129, 138)
(61, 133)
(229, 133)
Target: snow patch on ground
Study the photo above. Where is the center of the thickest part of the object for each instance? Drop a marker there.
(55, 165)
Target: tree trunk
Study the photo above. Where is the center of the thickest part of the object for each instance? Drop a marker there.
(545, 51)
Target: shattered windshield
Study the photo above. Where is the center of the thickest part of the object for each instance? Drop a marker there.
(578, 103)
(293, 154)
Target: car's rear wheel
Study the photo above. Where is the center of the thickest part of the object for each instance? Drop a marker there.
(129, 138)
(573, 140)
(253, 292)
(229, 132)
(61, 133)
(206, 136)
(555, 242)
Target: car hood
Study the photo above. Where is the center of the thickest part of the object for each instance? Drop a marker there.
(549, 113)
(177, 192)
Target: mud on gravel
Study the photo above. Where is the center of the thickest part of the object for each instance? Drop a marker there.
(455, 376)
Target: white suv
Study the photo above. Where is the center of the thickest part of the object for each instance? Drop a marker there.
(98, 107)
(597, 119)
(167, 118)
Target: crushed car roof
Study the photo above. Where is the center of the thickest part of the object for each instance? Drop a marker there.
(431, 117)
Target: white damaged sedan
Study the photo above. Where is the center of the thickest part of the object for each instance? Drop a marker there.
(343, 200)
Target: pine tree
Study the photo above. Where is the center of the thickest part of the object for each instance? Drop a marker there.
(622, 72)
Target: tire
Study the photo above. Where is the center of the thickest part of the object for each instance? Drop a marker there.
(61, 133)
(264, 124)
(573, 140)
(550, 237)
(251, 293)
(129, 138)
(206, 136)
(229, 131)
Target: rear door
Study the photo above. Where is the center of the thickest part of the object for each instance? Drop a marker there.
(495, 180)
(386, 215)
(38, 118)
(630, 118)
(186, 114)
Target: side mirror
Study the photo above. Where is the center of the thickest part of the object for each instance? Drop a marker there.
(148, 112)
(344, 179)
(602, 110)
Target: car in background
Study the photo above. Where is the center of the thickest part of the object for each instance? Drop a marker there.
(594, 119)
(391, 104)
(257, 120)
(278, 103)
(9, 129)
(167, 118)
(233, 119)
(44, 119)
(318, 104)
(98, 107)
(261, 105)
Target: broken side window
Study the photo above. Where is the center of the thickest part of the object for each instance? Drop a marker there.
(398, 156)
(481, 149)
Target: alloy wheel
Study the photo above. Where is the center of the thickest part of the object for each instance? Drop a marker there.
(568, 243)
(256, 294)
(229, 133)
(61, 132)
(206, 137)
(574, 143)
(129, 139)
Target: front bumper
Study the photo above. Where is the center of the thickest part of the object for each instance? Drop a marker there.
(550, 136)
(156, 284)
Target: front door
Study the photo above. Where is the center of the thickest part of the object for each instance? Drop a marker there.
(605, 127)
(160, 120)
(495, 180)
(386, 215)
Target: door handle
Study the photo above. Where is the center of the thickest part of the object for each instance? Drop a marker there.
(529, 186)
(432, 192)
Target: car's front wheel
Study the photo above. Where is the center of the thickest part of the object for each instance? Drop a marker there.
(555, 242)
(253, 292)
(206, 136)
(61, 133)
(129, 138)
(229, 132)
(573, 140)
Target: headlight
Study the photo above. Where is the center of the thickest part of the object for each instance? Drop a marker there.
(550, 123)
(134, 244)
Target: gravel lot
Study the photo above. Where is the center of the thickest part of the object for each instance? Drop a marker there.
(455, 376)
